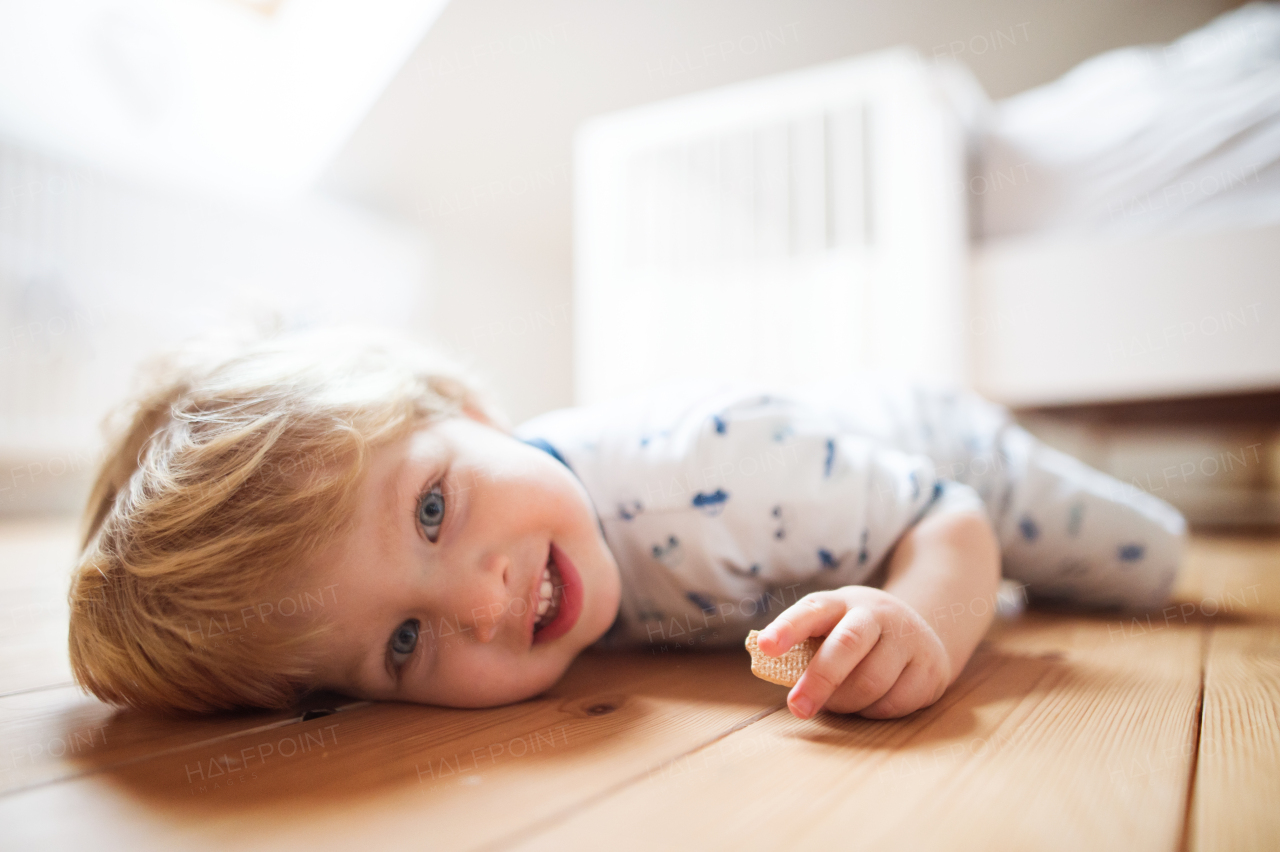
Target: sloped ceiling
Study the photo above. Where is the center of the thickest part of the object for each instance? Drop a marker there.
(229, 95)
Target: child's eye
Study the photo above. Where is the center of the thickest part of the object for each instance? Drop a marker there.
(403, 641)
(431, 512)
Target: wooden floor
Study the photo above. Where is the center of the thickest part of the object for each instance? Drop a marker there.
(1064, 732)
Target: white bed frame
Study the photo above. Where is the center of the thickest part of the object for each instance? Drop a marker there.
(816, 222)
(1093, 320)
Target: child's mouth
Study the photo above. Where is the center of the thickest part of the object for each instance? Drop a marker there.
(560, 598)
(549, 595)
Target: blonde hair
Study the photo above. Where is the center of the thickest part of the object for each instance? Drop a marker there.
(235, 468)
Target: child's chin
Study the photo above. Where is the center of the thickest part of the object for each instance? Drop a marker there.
(592, 627)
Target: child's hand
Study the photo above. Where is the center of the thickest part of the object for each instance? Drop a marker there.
(880, 659)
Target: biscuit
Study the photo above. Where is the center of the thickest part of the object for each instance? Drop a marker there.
(784, 670)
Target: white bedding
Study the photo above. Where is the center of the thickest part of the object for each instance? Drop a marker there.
(1142, 140)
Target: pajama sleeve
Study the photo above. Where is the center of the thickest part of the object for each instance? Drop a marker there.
(796, 501)
(951, 496)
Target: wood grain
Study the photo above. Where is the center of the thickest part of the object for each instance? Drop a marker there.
(1232, 577)
(401, 773)
(1066, 730)
(1042, 743)
(1237, 793)
(53, 734)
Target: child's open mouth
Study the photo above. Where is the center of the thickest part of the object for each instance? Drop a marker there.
(549, 595)
(559, 598)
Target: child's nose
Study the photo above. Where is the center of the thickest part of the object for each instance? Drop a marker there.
(494, 606)
(497, 565)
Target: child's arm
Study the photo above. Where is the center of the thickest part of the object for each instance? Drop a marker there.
(890, 652)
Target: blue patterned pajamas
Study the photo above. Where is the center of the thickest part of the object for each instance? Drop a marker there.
(1069, 532)
(725, 502)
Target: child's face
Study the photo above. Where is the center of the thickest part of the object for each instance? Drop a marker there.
(439, 584)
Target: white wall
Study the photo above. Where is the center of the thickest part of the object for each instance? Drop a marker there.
(509, 321)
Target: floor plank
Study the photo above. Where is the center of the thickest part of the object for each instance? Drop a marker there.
(1066, 730)
(1237, 789)
(393, 772)
(1231, 577)
(53, 734)
(1040, 745)
(36, 558)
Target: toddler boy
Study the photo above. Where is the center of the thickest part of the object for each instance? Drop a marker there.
(469, 563)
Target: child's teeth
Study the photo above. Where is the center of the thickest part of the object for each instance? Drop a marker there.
(547, 594)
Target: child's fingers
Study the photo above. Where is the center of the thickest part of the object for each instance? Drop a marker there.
(914, 689)
(845, 646)
(813, 615)
(869, 680)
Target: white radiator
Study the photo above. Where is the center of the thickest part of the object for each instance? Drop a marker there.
(788, 229)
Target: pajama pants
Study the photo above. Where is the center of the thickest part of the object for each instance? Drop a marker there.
(1068, 532)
